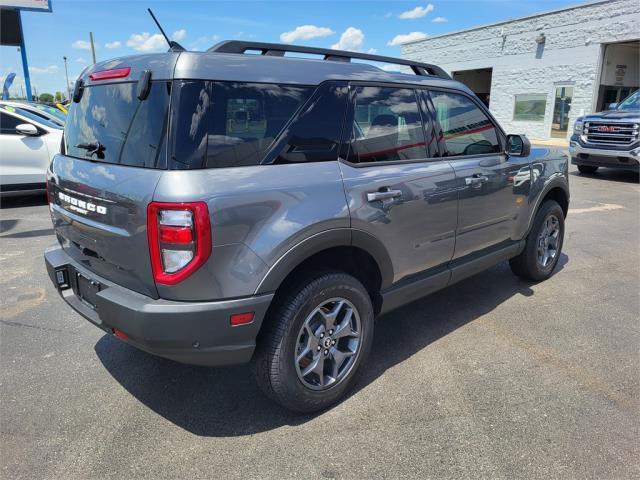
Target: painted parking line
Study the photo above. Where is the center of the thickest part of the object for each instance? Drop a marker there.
(604, 207)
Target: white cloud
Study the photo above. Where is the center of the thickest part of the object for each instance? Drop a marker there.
(417, 12)
(49, 69)
(81, 60)
(351, 39)
(145, 42)
(81, 45)
(305, 32)
(409, 37)
(179, 34)
(114, 44)
(372, 51)
(439, 20)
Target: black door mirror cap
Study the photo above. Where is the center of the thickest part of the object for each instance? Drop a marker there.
(518, 146)
(144, 85)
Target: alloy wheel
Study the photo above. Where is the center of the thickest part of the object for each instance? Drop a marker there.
(328, 344)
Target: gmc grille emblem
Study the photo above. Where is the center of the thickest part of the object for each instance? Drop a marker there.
(81, 206)
(607, 128)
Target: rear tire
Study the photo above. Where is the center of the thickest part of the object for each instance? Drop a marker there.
(543, 245)
(587, 169)
(330, 317)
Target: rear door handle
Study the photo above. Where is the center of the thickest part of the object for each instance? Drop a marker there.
(384, 194)
(476, 179)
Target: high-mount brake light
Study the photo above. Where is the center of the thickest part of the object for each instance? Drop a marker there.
(109, 74)
(179, 239)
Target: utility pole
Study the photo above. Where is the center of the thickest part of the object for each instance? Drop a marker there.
(66, 72)
(93, 48)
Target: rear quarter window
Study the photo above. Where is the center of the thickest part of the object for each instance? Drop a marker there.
(229, 124)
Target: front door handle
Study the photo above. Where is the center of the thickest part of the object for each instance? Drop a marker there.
(383, 194)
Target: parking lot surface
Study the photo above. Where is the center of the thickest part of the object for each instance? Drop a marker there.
(491, 378)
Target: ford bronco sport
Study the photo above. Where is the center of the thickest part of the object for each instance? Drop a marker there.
(224, 207)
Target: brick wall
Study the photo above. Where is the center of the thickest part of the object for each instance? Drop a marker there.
(571, 55)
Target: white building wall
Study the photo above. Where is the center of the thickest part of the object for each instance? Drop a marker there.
(571, 55)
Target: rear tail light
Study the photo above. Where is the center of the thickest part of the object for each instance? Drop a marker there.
(179, 239)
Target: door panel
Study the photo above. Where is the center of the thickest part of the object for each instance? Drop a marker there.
(393, 191)
(23, 159)
(418, 226)
(492, 187)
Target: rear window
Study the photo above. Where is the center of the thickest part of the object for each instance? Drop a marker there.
(111, 125)
(229, 124)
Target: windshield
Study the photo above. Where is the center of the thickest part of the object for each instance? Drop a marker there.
(632, 102)
(52, 111)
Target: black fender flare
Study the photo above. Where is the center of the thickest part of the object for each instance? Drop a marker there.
(336, 237)
(556, 182)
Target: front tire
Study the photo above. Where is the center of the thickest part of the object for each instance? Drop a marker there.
(543, 245)
(316, 338)
(587, 169)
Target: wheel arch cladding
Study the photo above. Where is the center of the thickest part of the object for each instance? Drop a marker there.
(352, 251)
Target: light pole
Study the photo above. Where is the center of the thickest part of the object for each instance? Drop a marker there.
(66, 72)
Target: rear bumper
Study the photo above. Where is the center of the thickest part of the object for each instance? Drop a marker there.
(197, 333)
(600, 157)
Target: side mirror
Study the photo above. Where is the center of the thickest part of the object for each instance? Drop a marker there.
(27, 129)
(518, 145)
(612, 106)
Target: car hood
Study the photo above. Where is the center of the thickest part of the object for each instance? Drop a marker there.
(614, 115)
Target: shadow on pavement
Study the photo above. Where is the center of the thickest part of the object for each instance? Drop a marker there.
(24, 201)
(611, 174)
(225, 402)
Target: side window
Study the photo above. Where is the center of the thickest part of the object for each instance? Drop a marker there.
(467, 130)
(386, 126)
(225, 124)
(8, 124)
(314, 136)
(246, 119)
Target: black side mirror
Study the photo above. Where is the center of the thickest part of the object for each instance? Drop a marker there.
(518, 145)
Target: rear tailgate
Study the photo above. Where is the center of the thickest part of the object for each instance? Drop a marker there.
(99, 214)
(114, 153)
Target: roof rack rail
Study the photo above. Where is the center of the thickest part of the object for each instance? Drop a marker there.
(278, 50)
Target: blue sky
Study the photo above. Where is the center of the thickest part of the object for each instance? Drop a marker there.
(124, 27)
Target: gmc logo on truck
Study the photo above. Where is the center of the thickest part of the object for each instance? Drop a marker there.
(81, 206)
(607, 128)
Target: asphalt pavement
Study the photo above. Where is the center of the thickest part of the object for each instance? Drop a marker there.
(491, 378)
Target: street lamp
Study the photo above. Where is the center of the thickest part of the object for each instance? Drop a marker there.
(66, 72)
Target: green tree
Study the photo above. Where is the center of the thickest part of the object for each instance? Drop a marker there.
(59, 96)
(46, 97)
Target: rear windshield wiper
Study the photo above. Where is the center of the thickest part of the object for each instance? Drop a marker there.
(92, 148)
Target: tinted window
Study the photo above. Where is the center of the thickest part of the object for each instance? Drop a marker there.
(220, 124)
(129, 131)
(8, 124)
(314, 135)
(386, 126)
(467, 130)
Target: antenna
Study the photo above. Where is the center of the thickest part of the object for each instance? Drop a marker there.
(173, 46)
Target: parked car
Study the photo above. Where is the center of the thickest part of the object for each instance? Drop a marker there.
(28, 142)
(218, 208)
(41, 110)
(608, 139)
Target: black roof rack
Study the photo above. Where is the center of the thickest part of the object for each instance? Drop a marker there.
(278, 50)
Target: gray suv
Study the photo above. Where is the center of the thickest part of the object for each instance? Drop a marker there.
(240, 205)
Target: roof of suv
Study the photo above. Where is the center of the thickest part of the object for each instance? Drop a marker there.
(219, 64)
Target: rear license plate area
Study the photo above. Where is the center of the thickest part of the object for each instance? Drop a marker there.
(87, 290)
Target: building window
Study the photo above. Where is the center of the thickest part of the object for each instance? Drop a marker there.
(530, 107)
